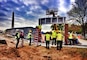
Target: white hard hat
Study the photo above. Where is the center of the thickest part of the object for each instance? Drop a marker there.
(17, 29)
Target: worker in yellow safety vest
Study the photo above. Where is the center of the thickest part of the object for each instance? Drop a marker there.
(47, 39)
(53, 36)
(70, 37)
(29, 36)
(59, 40)
(17, 36)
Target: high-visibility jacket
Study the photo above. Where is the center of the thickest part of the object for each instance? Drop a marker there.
(70, 36)
(29, 35)
(47, 37)
(53, 34)
(59, 37)
(17, 35)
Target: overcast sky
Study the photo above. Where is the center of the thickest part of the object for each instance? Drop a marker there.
(27, 12)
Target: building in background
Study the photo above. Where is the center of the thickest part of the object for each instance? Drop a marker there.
(24, 29)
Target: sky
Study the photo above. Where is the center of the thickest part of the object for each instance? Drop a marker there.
(27, 12)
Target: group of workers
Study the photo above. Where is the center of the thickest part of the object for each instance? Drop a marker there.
(20, 35)
(73, 39)
(56, 37)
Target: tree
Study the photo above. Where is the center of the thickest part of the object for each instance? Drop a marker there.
(75, 28)
(79, 13)
(57, 27)
(54, 26)
(60, 26)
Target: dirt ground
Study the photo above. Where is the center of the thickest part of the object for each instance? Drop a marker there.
(7, 52)
(41, 53)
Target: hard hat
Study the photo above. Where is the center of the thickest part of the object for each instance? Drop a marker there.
(17, 30)
(30, 30)
(53, 30)
(59, 31)
(22, 31)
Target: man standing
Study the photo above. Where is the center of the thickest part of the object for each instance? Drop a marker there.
(29, 36)
(47, 38)
(59, 40)
(17, 36)
(53, 37)
(22, 37)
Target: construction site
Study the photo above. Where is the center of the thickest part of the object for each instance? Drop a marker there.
(8, 50)
(67, 40)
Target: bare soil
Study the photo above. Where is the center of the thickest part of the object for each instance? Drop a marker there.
(9, 52)
(41, 53)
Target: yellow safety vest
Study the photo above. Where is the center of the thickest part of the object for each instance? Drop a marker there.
(53, 34)
(18, 35)
(70, 36)
(29, 35)
(59, 37)
(47, 37)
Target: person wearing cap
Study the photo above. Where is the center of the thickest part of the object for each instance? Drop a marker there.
(59, 40)
(47, 39)
(53, 37)
(29, 36)
(17, 36)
